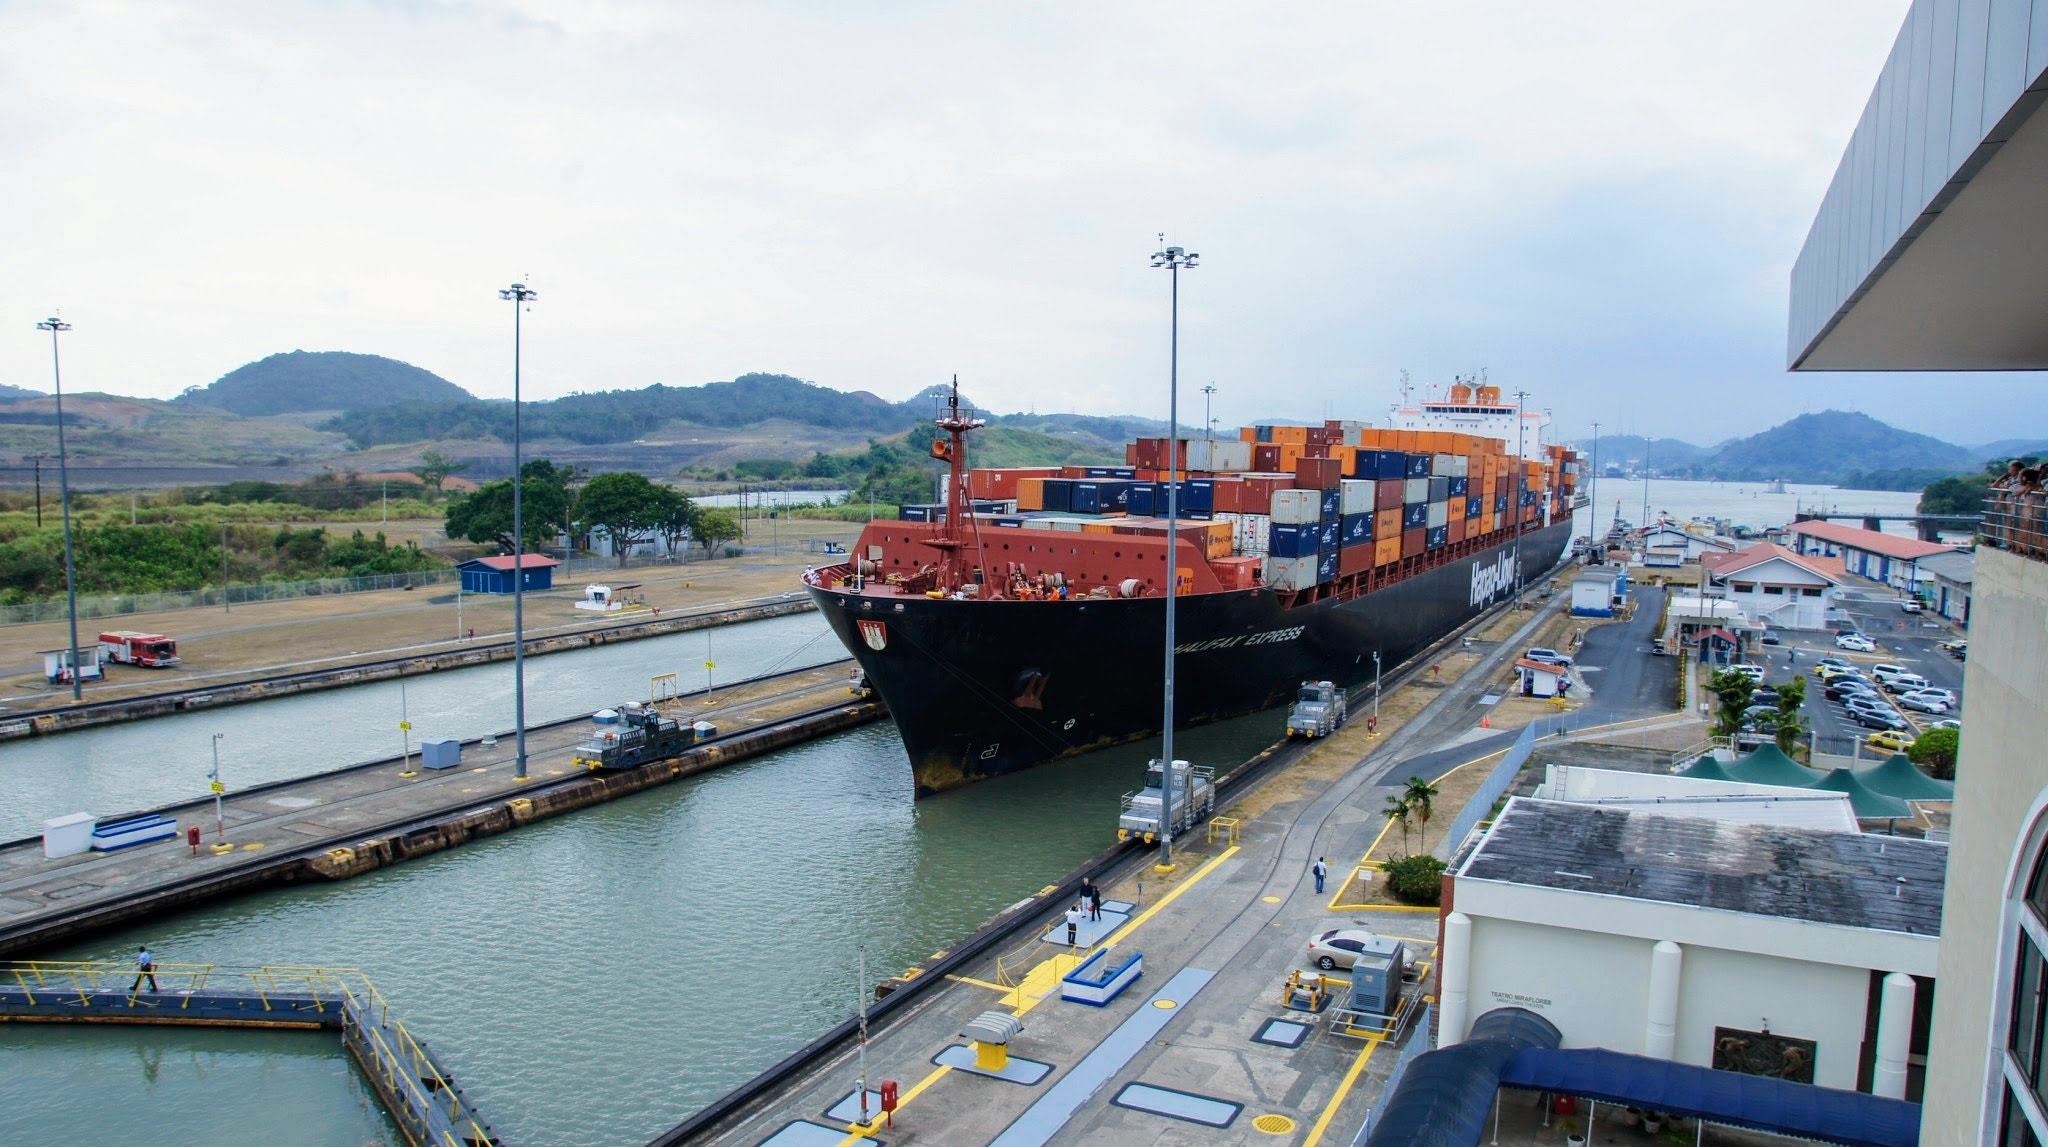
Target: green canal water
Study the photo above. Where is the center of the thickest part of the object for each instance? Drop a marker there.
(596, 978)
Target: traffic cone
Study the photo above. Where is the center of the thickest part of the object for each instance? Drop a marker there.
(1486, 722)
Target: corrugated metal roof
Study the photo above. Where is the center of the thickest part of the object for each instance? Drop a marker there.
(1870, 541)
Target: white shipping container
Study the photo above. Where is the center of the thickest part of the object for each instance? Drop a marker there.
(1440, 465)
(1439, 514)
(1249, 534)
(1289, 574)
(1298, 507)
(1357, 496)
(1461, 467)
(1416, 490)
(1223, 455)
(1071, 525)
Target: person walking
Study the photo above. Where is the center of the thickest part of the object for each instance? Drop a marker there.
(1074, 925)
(145, 969)
(1094, 902)
(1321, 869)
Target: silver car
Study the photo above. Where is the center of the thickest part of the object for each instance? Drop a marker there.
(1339, 947)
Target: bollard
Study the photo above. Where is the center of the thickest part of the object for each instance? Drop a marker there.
(192, 838)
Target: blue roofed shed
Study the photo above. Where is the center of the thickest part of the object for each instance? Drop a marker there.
(494, 574)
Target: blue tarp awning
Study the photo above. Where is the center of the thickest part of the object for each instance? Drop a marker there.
(1753, 1101)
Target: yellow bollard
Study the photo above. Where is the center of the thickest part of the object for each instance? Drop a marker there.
(991, 1056)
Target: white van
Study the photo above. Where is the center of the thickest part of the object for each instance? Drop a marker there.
(1906, 682)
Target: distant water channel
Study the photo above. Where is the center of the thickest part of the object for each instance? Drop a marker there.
(595, 978)
(147, 764)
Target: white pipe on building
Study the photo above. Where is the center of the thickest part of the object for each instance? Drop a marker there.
(1455, 975)
(1894, 1036)
(1660, 1030)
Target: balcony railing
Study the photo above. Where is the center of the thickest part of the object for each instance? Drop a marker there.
(2016, 521)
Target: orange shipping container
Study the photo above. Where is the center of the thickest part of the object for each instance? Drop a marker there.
(1248, 434)
(1386, 551)
(1030, 494)
(1097, 528)
(1457, 511)
(1291, 435)
(1386, 523)
(1237, 573)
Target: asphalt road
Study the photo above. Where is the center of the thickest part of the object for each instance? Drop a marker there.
(1902, 638)
(1626, 681)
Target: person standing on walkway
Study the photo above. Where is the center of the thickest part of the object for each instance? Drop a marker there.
(1321, 869)
(1074, 925)
(1089, 895)
(1094, 902)
(145, 969)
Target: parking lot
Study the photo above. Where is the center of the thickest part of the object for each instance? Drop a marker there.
(1911, 640)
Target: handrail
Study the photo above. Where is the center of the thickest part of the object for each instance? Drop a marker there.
(2014, 521)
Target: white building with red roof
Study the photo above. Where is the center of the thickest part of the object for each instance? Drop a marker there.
(1885, 558)
(1776, 587)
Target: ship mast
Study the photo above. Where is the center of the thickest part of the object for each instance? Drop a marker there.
(948, 539)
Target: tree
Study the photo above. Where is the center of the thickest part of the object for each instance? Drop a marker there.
(434, 469)
(1421, 796)
(1416, 879)
(1733, 689)
(678, 518)
(1399, 811)
(713, 528)
(1791, 695)
(486, 515)
(1935, 750)
(626, 506)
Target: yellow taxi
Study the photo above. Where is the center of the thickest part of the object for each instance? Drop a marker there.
(1890, 740)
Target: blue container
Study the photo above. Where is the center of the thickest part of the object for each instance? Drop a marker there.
(1474, 506)
(1459, 486)
(1391, 466)
(1357, 528)
(1435, 539)
(1292, 541)
(1059, 495)
(1333, 505)
(1199, 494)
(914, 513)
(1418, 466)
(1107, 496)
(1500, 503)
(1262, 433)
(1415, 515)
(1007, 523)
(1326, 567)
(1528, 498)
(1330, 534)
(1111, 472)
(1140, 499)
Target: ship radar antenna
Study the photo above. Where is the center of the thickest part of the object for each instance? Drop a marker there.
(1407, 388)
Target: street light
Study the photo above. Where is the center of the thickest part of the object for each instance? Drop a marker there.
(520, 295)
(53, 324)
(1593, 495)
(1374, 728)
(1208, 421)
(1173, 259)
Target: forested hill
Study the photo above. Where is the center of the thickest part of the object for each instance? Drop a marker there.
(1830, 446)
(7, 392)
(625, 415)
(322, 380)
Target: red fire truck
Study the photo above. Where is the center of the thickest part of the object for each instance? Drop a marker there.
(153, 650)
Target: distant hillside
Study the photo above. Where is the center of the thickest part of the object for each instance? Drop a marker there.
(1830, 446)
(630, 415)
(2006, 448)
(322, 380)
(1666, 455)
(7, 392)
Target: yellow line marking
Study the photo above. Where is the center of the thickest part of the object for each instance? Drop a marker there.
(980, 984)
(1315, 1134)
(1473, 761)
(1169, 898)
(855, 1132)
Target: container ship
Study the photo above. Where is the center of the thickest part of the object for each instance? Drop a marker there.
(1022, 619)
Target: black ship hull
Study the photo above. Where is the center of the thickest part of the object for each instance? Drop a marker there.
(982, 688)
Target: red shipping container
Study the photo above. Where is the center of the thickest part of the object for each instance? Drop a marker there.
(1259, 489)
(1387, 494)
(1316, 450)
(1229, 496)
(1318, 473)
(1354, 559)
(1131, 454)
(1412, 542)
(1265, 456)
(1237, 573)
(1387, 524)
(1457, 529)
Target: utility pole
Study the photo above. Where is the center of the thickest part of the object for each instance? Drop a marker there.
(53, 324)
(38, 460)
(1593, 494)
(1173, 259)
(224, 607)
(1208, 422)
(521, 297)
(1521, 488)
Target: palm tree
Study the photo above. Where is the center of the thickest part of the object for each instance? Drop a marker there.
(1398, 809)
(1420, 796)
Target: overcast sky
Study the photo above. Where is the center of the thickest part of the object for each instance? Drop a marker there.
(1598, 202)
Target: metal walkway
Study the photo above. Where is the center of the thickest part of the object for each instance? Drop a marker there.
(420, 1096)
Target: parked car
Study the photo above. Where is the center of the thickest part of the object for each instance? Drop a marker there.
(1756, 716)
(1339, 947)
(1960, 650)
(1890, 740)
(1924, 703)
(1830, 672)
(1834, 663)
(1903, 683)
(1949, 723)
(1753, 672)
(1770, 638)
(1946, 695)
(1548, 657)
(1843, 688)
(1883, 672)
(1911, 605)
(1856, 642)
(1867, 703)
(1765, 696)
(1872, 719)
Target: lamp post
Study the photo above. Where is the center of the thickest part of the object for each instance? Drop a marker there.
(53, 324)
(1208, 420)
(1375, 730)
(1173, 259)
(1521, 488)
(1593, 495)
(520, 296)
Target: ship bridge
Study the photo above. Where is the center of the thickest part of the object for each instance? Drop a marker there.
(1479, 410)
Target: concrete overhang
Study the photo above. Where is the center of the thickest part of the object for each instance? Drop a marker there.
(1930, 250)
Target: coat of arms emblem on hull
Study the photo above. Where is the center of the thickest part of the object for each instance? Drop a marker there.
(875, 634)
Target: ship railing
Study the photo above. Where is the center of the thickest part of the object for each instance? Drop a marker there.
(2016, 522)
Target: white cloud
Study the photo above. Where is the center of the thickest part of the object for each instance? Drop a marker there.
(1596, 200)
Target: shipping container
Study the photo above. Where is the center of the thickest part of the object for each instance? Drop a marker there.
(1392, 465)
(1250, 534)
(1333, 505)
(1357, 528)
(1457, 506)
(1330, 534)
(1415, 490)
(1031, 494)
(1415, 516)
(1439, 515)
(1140, 498)
(1223, 454)
(1418, 466)
(1291, 435)
(1356, 497)
(1411, 542)
(1390, 495)
(1266, 456)
(1326, 567)
(1440, 465)
(1297, 506)
(1438, 536)
(1459, 487)
(1439, 489)
(1238, 572)
(1100, 497)
(1387, 550)
(1290, 574)
(1457, 529)
(1386, 523)
(1354, 559)
(1473, 506)
(1286, 540)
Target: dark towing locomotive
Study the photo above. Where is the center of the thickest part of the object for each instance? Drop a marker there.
(642, 735)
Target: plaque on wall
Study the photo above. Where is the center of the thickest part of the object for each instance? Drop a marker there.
(1764, 1053)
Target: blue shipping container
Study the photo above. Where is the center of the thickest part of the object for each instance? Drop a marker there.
(1418, 466)
(1139, 501)
(1333, 504)
(1059, 495)
(914, 513)
(1199, 494)
(1415, 515)
(1326, 568)
(1330, 534)
(1357, 528)
(1291, 541)
(1436, 538)
(1474, 507)
(1393, 466)
(1107, 496)
(1459, 486)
